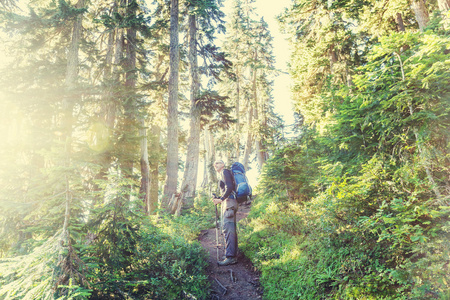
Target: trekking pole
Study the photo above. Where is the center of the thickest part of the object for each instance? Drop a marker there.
(217, 230)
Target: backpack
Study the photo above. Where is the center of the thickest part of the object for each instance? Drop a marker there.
(242, 188)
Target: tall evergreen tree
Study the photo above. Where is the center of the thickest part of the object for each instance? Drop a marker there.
(248, 44)
(206, 14)
(170, 187)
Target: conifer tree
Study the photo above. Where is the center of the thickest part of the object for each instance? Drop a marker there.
(170, 187)
(205, 14)
(193, 147)
(248, 44)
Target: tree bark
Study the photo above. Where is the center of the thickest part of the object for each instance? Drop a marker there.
(144, 191)
(238, 126)
(206, 179)
(130, 100)
(172, 118)
(68, 105)
(107, 114)
(193, 148)
(333, 58)
(444, 6)
(212, 158)
(248, 145)
(260, 153)
(61, 276)
(421, 13)
(154, 167)
(399, 20)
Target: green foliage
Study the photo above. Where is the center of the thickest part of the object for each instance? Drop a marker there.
(29, 277)
(189, 224)
(292, 170)
(370, 215)
(131, 256)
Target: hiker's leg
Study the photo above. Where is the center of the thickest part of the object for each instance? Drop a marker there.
(229, 231)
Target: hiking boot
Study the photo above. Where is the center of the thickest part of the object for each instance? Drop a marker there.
(228, 261)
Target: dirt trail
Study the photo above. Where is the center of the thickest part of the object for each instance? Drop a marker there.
(240, 280)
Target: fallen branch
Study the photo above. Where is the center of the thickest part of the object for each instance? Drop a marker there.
(233, 279)
(221, 285)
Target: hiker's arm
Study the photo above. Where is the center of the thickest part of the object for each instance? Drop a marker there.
(228, 184)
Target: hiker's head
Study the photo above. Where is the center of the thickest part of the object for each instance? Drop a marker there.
(219, 165)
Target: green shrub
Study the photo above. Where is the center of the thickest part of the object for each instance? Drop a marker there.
(134, 257)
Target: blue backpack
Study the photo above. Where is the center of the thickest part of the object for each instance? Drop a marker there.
(243, 189)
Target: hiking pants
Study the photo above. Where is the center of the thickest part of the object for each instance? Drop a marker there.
(229, 210)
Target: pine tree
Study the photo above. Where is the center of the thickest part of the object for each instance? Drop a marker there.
(248, 45)
(170, 187)
(204, 13)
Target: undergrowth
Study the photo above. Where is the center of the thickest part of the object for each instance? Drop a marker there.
(303, 254)
(125, 255)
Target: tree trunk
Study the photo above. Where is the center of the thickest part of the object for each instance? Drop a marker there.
(68, 105)
(172, 118)
(144, 191)
(348, 76)
(444, 6)
(333, 58)
(238, 127)
(130, 100)
(399, 20)
(207, 159)
(421, 13)
(61, 275)
(193, 148)
(248, 145)
(154, 167)
(260, 155)
(107, 114)
(226, 156)
(212, 158)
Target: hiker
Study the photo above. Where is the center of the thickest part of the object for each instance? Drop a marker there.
(229, 207)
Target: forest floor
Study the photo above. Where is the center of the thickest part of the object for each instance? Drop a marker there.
(235, 282)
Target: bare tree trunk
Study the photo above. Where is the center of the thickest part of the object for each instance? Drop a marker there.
(193, 148)
(248, 145)
(258, 146)
(209, 172)
(107, 114)
(238, 126)
(131, 122)
(331, 51)
(212, 158)
(260, 155)
(130, 99)
(205, 181)
(333, 58)
(226, 156)
(172, 118)
(154, 167)
(444, 6)
(68, 105)
(144, 191)
(65, 260)
(349, 77)
(399, 20)
(421, 13)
